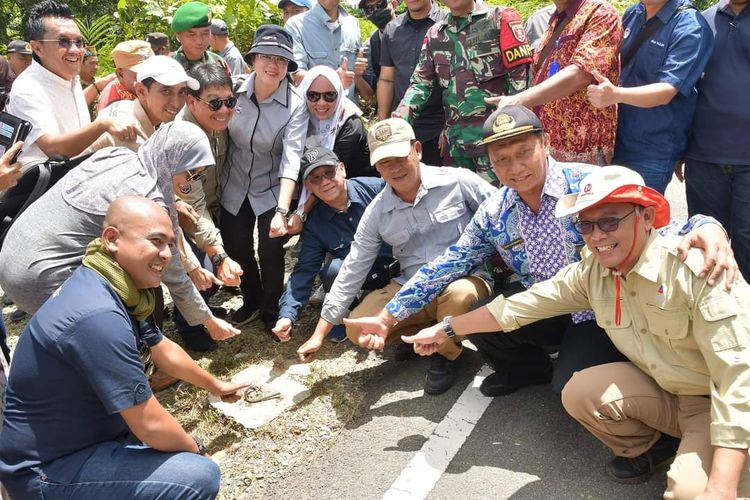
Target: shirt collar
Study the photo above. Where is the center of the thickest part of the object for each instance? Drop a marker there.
(281, 95)
(436, 14)
(354, 198)
(665, 13)
(320, 13)
(650, 261)
(52, 78)
(480, 10)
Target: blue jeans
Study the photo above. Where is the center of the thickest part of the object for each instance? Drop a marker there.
(656, 173)
(118, 471)
(723, 192)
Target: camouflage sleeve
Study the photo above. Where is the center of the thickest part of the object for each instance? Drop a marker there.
(517, 53)
(422, 81)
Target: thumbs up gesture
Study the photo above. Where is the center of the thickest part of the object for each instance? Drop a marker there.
(347, 77)
(360, 64)
(603, 93)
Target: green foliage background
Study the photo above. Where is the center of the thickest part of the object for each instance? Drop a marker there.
(105, 22)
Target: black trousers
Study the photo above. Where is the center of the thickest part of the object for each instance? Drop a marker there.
(261, 286)
(580, 345)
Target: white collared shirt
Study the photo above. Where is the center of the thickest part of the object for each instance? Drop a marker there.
(51, 104)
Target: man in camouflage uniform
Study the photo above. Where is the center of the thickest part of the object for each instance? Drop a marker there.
(476, 52)
(191, 24)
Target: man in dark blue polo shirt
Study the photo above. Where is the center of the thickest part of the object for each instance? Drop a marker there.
(80, 419)
(666, 45)
(401, 45)
(327, 234)
(717, 171)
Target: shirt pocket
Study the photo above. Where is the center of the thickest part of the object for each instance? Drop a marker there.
(605, 315)
(722, 334)
(451, 215)
(442, 62)
(397, 239)
(668, 323)
(486, 61)
(318, 56)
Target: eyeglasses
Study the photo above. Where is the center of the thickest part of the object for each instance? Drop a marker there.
(328, 174)
(215, 104)
(370, 9)
(313, 96)
(197, 174)
(65, 43)
(606, 224)
(281, 61)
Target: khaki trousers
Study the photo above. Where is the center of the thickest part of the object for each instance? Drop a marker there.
(627, 411)
(457, 298)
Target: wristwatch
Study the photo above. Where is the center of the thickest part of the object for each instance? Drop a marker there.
(283, 211)
(447, 328)
(218, 258)
(302, 215)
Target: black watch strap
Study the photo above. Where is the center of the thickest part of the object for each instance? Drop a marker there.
(282, 211)
(218, 258)
(447, 327)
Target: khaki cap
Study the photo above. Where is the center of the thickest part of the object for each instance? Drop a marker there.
(131, 52)
(390, 138)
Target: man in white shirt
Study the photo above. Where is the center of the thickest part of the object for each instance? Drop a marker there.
(49, 95)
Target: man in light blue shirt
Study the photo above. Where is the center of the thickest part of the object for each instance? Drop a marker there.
(326, 35)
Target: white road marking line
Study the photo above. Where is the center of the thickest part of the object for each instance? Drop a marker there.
(424, 470)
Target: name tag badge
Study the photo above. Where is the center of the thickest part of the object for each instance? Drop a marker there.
(553, 68)
(513, 243)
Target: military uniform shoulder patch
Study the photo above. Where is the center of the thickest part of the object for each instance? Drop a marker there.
(513, 42)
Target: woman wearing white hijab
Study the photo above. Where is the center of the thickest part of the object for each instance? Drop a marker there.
(335, 121)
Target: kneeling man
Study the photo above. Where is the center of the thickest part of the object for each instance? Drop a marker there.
(687, 377)
(80, 419)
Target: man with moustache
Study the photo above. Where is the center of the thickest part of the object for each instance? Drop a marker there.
(48, 94)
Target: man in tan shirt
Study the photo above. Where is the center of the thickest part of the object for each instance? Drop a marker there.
(687, 343)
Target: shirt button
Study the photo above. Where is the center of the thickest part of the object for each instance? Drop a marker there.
(643, 330)
(653, 366)
(609, 322)
(632, 294)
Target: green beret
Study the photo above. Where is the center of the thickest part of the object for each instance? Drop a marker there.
(191, 15)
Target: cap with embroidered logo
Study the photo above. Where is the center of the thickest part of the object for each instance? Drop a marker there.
(20, 47)
(390, 138)
(510, 121)
(317, 157)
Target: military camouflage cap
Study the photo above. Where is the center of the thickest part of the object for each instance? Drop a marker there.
(510, 121)
(390, 138)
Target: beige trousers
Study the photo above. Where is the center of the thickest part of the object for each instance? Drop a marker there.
(457, 298)
(627, 411)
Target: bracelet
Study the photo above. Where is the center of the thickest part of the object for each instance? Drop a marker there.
(301, 214)
(202, 450)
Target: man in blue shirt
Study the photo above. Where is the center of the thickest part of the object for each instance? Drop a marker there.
(717, 171)
(80, 420)
(327, 235)
(657, 93)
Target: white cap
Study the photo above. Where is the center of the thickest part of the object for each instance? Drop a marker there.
(597, 186)
(164, 70)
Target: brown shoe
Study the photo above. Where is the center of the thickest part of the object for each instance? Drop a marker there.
(160, 380)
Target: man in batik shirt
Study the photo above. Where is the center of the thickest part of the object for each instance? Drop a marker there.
(583, 39)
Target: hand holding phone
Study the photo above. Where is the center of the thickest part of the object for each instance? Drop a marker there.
(10, 170)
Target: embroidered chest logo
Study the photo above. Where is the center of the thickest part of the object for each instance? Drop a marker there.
(661, 293)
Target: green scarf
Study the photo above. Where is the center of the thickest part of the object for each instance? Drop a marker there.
(140, 302)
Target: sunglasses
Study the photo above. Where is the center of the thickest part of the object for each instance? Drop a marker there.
(606, 224)
(196, 175)
(215, 104)
(65, 43)
(370, 9)
(328, 174)
(313, 96)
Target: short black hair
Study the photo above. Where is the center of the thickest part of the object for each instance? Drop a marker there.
(209, 75)
(147, 82)
(35, 27)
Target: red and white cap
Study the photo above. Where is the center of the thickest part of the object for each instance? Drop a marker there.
(614, 184)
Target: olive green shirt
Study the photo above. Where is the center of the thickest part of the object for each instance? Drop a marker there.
(690, 337)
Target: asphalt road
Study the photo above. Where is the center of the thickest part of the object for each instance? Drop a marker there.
(524, 445)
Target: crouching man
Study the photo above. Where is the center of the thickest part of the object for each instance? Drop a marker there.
(80, 420)
(684, 390)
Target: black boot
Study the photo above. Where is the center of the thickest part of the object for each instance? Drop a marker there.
(439, 375)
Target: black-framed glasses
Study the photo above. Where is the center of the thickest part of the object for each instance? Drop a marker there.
(606, 224)
(65, 43)
(328, 174)
(215, 104)
(281, 61)
(196, 174)
(313, 96)
(370, 9)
